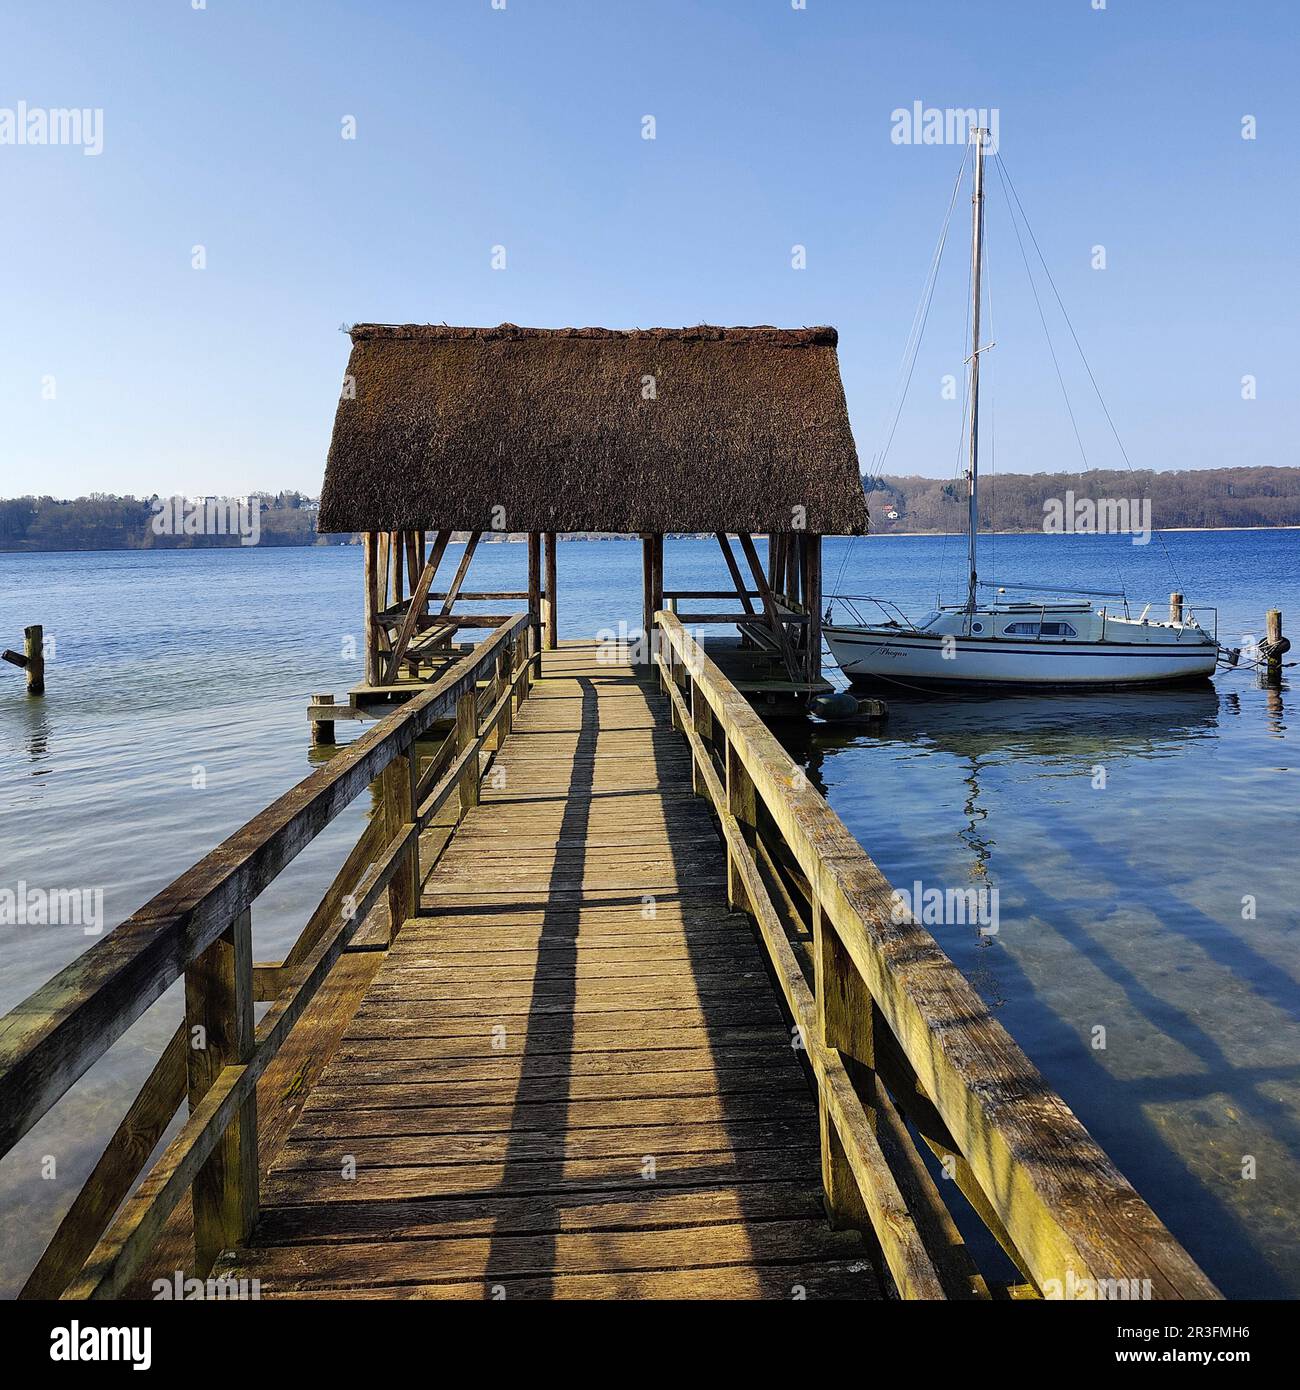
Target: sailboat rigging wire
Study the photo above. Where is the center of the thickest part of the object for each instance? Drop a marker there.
(958, 468)
(1005, 175)
(1042, 318)
(911, 348)
(993, 460)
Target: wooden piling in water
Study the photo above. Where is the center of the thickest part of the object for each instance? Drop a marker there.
(31, 659)
(34, 650)
(1275, 647)
(322, 730)
(1176, 609)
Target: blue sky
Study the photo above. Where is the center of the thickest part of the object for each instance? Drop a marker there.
(522, 127)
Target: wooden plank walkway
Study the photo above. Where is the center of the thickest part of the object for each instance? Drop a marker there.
(570, 1078)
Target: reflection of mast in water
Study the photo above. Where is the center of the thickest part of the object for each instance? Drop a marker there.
(981, 848)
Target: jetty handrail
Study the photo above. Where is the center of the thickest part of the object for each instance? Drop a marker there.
(200, 927)
(893, 1032)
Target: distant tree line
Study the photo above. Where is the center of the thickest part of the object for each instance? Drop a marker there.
(1201, 497)
(104, 521)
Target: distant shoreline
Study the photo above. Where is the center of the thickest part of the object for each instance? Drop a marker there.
(1155, 530)
(579, 537)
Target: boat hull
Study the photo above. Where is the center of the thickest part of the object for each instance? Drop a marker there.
(872, 660)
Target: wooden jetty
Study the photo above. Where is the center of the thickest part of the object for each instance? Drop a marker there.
(646, 1028)
(605, 1001)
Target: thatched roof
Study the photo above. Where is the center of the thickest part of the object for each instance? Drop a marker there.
(563, 430)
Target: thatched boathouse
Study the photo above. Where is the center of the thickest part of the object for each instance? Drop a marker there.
(734, 431)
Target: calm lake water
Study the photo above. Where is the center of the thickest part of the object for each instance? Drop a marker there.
(176, 710)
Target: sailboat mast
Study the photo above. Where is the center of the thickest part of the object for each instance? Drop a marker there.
(977, 260)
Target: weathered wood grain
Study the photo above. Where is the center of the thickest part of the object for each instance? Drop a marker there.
(571, 1065)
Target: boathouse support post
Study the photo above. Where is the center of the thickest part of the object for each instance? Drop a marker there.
(395, 566)
(742, 588)
(813, 603)
(647, 589)
(1176, 609)
(656, 590)
(535, 582)
(376, 580)
(219, 1031)
(549, 624)
(844, 1021)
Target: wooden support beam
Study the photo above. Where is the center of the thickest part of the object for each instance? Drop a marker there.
(549, 620)
(479, 595)
(414, 553)
(418, 599)
(770, 607)
(742, 589)
(462, 570)
(647, 589)
(395, 565)
(535, 582)
(813, 603)
(374, 587)
(219, 1032)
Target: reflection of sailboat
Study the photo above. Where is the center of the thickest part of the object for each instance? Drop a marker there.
(1049, 725)
(1030, 642)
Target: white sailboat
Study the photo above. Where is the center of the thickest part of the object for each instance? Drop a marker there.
(1074, 642)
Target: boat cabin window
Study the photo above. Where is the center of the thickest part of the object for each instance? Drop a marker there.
(1039, 630)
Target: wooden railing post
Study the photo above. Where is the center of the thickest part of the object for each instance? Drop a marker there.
(844, 1022)
(466, 732)
(743, 804)
(219, 1031)
(518, 670)
(509, 669)
(702, 721)
(397, 787)
(500, 684)
(669, 670)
